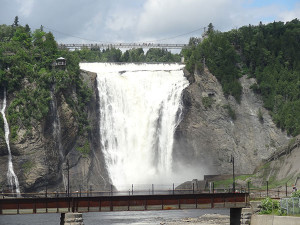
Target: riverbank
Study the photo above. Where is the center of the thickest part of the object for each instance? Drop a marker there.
(206, 219)
(162, 217)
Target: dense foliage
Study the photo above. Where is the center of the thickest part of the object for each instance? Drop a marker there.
(27, 73)
(296, 194)
(270, 206)
(219, 55)
(132, 55)
(270, 53)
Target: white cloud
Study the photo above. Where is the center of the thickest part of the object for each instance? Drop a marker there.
(288, 15)
(121, 19)
(169, 16)
(25, 7)
(165, 18)
(93, 25)
(141, 20)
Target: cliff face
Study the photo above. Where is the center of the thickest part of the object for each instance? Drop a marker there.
(40, 156)
(283, 165)
(214, 128)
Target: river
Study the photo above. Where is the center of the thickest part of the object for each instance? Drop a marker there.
(115, 218)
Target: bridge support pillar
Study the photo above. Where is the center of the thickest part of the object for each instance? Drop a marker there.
(71, 219)
(235, 216)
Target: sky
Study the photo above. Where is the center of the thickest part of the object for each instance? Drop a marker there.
(157, 21)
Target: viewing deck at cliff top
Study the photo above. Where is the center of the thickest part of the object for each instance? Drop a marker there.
(122, 45)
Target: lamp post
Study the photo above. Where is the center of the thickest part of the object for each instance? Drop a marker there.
(233, 178)
(68, 188)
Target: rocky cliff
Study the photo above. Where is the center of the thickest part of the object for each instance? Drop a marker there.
(215, 127)
(283, 166)
(40, 156)
(212, 129)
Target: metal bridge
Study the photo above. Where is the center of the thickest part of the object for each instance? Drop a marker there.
(72, 207)
(122, 203)
(121, 45)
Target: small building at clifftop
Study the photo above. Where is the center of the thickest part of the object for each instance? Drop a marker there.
(60, 63)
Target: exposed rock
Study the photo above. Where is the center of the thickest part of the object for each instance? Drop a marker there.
(206, 219)
(189, 76)
(197, 185)
(3, 147)
(208, 135)
(282, 165)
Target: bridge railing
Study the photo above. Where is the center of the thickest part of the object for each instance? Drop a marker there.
(121, 45)
(291, 206)
(159, 189)
(153, 189)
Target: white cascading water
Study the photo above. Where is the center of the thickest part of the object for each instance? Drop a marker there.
(57, 132)
(11, 176)
(140, 107)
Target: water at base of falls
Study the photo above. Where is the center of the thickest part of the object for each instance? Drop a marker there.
(11, 176)
(140, 107)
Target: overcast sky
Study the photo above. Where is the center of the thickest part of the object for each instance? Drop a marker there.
(83, 21)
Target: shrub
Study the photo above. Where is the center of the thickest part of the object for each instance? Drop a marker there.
(230, 111)
(84, 150)
(260, 115)
(270, 206)
(207, 102)
(255, 88)
(27, 166)
(296, 194)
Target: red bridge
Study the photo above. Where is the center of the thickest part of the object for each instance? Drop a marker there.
(234, 201)
(122, 203)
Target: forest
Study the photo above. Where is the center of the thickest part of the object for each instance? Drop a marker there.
(131, 55)
(268, 52)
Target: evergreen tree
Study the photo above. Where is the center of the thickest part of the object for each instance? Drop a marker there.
(210, 28)
(16, 22)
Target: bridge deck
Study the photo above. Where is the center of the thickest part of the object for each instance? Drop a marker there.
(122, 45)
(122, 203)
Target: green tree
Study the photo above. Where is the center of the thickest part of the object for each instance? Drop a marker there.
(210, 29)
(16, 22)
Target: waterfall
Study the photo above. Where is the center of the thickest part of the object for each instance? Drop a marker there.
(140, 107)
(11, 176)
(57, 132)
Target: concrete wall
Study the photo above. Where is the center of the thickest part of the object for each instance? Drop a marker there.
(274, 220)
